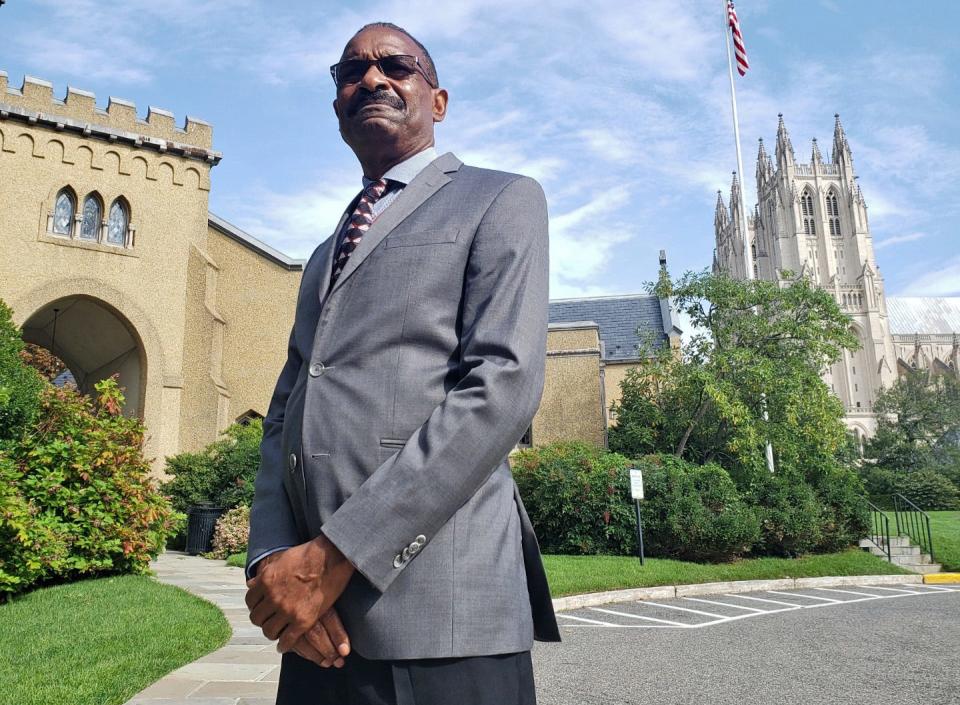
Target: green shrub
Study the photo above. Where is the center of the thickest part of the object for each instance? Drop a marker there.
(578, 498)
(789, 511)
(20, 385)
(76, 498)
(231, 533)
(694, 512)
(846, 513)
(221, 474)
(929, 490)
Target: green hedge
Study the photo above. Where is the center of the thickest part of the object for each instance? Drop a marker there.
(578, 499)
(20, 385)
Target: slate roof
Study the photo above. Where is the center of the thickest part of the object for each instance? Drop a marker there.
(909, 315)
(618, 318)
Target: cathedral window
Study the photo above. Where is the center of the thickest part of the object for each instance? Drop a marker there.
(63, 212)
(117, 223)
(92, 217)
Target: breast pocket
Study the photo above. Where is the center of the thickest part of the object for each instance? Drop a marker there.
(414, 238)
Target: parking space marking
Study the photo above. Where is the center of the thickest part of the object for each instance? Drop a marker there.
(751, 611)
(877, 587)
(809, 597)
(584, 619)
(849, 592)
(685, 609)
(725, 604)
(937, 587)
(760, 599)
(637, 616)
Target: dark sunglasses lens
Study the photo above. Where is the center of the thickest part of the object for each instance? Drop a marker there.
(351, 71)
(398, 66)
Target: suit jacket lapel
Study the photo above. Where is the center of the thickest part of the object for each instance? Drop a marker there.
(424, 185)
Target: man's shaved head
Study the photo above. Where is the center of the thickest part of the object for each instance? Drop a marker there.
(428, 66)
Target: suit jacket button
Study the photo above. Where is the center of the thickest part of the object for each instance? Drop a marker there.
(397, 561)
(421, 539)
(405, 553)
(316, 369)
(293, 461)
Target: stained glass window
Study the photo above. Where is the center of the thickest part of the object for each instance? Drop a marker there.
(63, 213)
(90, 227)
(117, 224)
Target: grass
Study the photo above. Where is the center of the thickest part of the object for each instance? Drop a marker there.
(571, 575)
(945, 527)
(238, 559)
(100, 641)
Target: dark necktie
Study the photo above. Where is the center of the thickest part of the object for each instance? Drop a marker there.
(359, 223)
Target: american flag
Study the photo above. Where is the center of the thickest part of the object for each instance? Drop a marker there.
(741, 52)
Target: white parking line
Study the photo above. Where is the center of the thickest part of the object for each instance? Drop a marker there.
(724, 604)
(877, 587)
(937, 587)
(637, 616)
(848, 592)
(760, 599)
(809, 597)
(584, 619)
(682, 609)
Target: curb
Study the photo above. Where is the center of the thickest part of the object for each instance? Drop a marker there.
(667, 592)
(942, 578)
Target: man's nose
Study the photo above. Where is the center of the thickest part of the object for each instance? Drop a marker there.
(373, 79)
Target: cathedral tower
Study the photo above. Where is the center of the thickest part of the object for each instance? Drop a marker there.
(811, 220)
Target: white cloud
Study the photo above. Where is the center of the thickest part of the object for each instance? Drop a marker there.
(943, 279)
(897, 240)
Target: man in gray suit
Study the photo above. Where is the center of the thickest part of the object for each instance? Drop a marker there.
(387, 536)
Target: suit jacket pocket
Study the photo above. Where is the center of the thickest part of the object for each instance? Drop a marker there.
(434, 236)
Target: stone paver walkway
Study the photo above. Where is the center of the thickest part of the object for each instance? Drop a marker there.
(245, 671)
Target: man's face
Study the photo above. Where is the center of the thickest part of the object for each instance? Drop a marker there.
(397, 114)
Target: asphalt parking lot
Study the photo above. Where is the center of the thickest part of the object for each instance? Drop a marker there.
(829, 646)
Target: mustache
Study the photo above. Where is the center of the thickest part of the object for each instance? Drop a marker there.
(381, 96)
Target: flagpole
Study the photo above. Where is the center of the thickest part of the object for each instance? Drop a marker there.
(747, 259)
(747, 254)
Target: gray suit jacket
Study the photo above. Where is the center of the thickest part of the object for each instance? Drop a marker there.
(405, 388)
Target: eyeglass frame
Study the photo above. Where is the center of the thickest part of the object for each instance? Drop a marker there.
(416, 61)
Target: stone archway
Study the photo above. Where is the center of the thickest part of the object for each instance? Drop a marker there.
(95, 341)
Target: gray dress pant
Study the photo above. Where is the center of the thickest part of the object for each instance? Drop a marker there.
(501, 679)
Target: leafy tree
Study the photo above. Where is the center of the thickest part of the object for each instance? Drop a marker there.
(750, 373)
(918, 425)
(20, 385)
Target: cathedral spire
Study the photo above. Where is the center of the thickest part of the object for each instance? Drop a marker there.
(764, 166)
(841, 148)
(721, 216)
(815, 157)
(784, 146)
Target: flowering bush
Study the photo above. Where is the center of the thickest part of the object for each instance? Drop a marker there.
(76, 496)
(231, 532)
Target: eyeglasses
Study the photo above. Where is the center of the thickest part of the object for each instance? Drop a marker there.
(396, 66)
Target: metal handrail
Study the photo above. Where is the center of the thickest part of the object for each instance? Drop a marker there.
(880, 529)
(913, 522)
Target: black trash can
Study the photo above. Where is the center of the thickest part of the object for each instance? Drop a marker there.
(201, 521)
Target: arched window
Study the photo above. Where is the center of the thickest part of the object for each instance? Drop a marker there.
(63, 211)
(833, 212)
(806, 210)
(117, 223)
(92, 217)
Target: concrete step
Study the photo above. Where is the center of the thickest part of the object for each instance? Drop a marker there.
(923, 568)
(895, 542)
(911, 560)
(896, 551)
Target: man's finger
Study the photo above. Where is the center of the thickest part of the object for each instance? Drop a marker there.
(305, 649)
(290, 635)
(317, 635)
(262, 612)
(274, 626)
(336, 632)
(254, 593)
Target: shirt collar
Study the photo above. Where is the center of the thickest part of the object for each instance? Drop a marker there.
(405, 171)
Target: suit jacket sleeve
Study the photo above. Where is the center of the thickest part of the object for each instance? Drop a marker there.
(271, 519)
(503, 355)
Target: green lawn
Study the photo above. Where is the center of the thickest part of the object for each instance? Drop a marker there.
(945, 527)
(571, 575)
(101, 641)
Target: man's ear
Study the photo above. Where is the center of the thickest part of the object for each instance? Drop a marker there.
(336, 110)
(439, 105)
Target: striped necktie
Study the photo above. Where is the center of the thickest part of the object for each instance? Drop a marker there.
(359, 223)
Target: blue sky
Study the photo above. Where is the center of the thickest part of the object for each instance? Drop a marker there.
(620, 109)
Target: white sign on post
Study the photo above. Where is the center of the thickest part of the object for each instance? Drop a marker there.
(636, 483)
